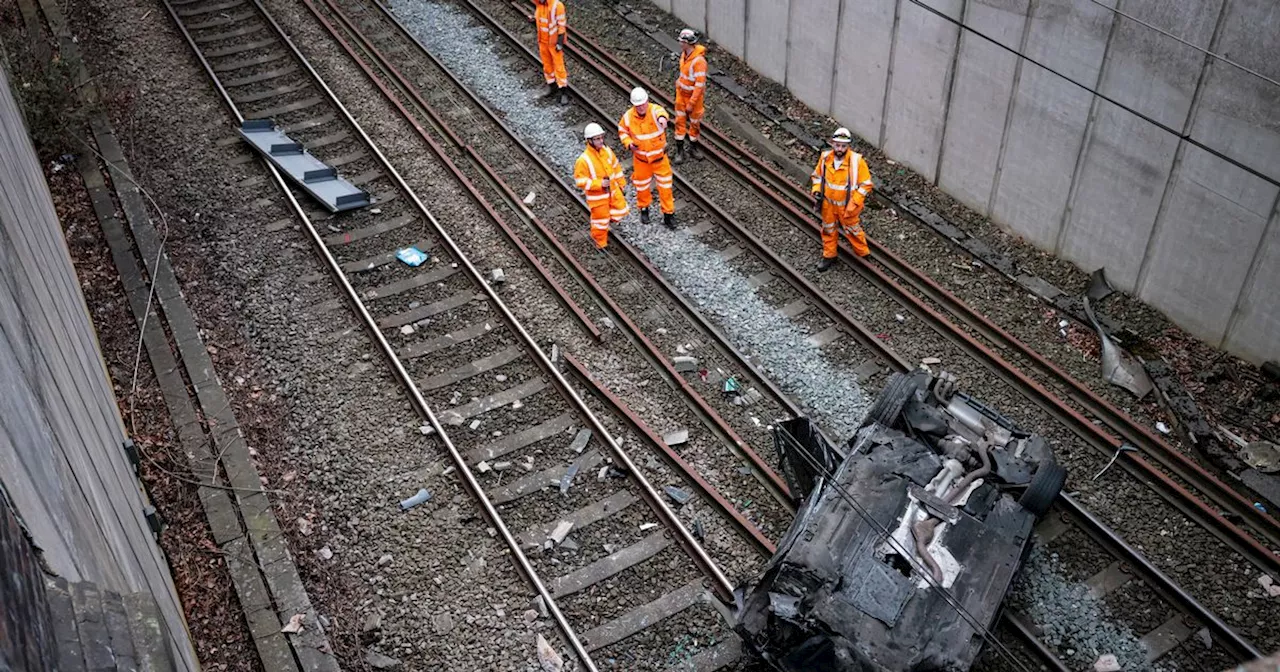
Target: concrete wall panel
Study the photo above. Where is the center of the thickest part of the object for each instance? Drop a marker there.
(811, 51)
(1152, 73)
(862, 65)
(1070, 36)
(692, 12)
(767, 37)
(1239, 113)
(1255, 330)
(980, 101)
(917, 90)
(664, 5)
(1120, 184)
(727, 24)
(1045, 133)
(1204, 242)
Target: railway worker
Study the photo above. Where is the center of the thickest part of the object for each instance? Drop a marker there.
(599, 174)
(691, 86)
(841, 184)
(552, 33)
(643, 130)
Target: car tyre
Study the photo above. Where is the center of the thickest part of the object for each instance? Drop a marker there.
(1046, 484)
(887, 407)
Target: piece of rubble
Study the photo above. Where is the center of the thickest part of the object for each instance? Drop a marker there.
(406, 329)
(603, 474)
(528, 200)
(569, 545)
(426, 430)
(685, 364)
(676, 438)
(530, 615)
(422, 496)
(1269, 585)
(484, 467)
(384, 560)
(1164, 429)
(475, 424)
(380, 662)
(442, 623)
(294, 626)
(580, 440)
(304, 526)
(645, 527)
(1106, 663)
(497, 276)
(372, 623)
(547, 656)
(930, 361)
(501, 466)
(562, 530)
(567, 479)
(541, 606)
(324, 553)
(677, 495)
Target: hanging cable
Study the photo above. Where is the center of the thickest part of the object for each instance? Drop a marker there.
(1184, 137)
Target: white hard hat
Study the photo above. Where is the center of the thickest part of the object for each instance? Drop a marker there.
(592, 130)
(842, 134)
(688, 35)
(639, 96)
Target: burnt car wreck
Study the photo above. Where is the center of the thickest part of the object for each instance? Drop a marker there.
(906, 542)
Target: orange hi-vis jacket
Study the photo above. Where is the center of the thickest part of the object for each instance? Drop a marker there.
(551, 21)
(834, 183)
(650, 141)
(692, 84)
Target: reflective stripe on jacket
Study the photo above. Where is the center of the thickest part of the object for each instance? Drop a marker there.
(643, 132)
(551, 21)
(693, 75)
(590, 170)
(834, 181)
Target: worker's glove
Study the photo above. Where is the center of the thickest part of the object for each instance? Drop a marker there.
(817, 197)
(559, 46)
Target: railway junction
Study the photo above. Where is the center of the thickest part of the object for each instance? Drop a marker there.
(317, 357)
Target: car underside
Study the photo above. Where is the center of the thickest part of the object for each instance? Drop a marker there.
(906, 541)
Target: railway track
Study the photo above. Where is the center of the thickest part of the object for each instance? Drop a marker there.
(1181, 481)
(452, 371)
(1201, 614)
(569, 502)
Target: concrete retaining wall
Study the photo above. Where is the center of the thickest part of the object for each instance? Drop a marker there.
(61, 462)
(1033, 147)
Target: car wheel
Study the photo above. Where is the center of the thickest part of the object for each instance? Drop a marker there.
(1045, 486)
(888, 406)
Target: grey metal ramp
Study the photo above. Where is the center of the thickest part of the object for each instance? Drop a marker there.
(313, 175)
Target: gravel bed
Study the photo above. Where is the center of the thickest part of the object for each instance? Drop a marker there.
(454, 37)
(344, 446)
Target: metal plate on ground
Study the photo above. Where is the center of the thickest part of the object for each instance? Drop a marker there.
(310, 173)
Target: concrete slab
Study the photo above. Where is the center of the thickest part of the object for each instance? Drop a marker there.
(980, 102)
(727, 24)
(1040, 154)
(664, 5)
(767, 38)
(1239, 114)
(1253, 329)
(862, 66)
(1120, 184)
(918, 88)
(811, 51)
(1152, 73)
(1201, 251)
(1070, 37)
(692, 12)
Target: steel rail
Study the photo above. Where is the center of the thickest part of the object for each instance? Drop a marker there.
(1160, 582)
(746, 527)
(774, 482)
(1221, 494)
(420, 402)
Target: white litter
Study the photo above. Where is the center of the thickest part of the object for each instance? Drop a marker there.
(1164, 429)
(528, 200)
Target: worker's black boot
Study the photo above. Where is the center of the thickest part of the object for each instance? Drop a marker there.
(679, 152)
(552, 90)
(644, 215)
(669, 220)
(564, 96)
(826, 264)
(695, 151)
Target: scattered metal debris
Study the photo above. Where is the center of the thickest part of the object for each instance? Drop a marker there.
(313, 175)
(1263, 456)
(547, 656)
(497, 276)
(685, 364)
(567, 479)
(561, 531)
(678, 495)
(677, 437)
(1119, 367)
(1099, 287)
(580, 440)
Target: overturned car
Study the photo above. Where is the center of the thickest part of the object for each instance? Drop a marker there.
(906, 541)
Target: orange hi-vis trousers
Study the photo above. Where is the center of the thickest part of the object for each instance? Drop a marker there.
(644, 174)
(693, 127)
(553, 64)
(605, 200)
(839, 220)
(606, 208)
